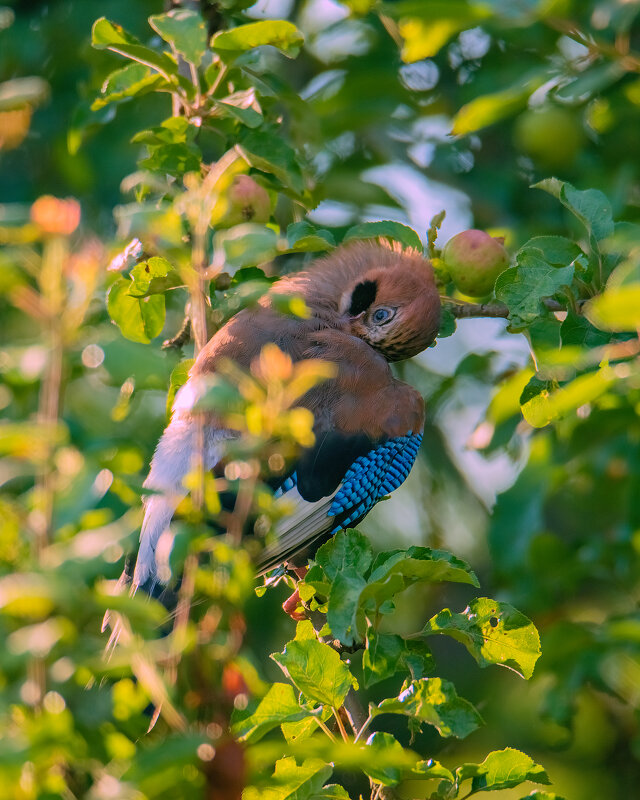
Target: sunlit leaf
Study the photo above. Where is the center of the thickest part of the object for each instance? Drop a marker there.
(279, 705)
(140, 319)
(493, 632)
(548, 403)
(502, 769)
(616, 309)
(317, 671)
(185, 30)
(279, 33)
(106, 35)
(390, 746)
(435, 702)
(130, 81)
(154, 276)
(293, 782)
(490, 108)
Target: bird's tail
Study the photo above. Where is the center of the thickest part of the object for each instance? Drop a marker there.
(172, 461)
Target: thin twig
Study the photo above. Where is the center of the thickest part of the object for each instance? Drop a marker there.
(494, 309)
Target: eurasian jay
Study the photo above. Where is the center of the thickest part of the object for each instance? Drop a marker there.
(370, 304)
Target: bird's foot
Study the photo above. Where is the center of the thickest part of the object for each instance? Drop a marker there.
(291, 603)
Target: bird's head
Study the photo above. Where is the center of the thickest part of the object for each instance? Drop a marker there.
(394, 306)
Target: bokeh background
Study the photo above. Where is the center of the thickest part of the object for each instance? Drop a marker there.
(550, 520)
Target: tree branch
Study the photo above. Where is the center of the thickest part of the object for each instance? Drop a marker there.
(494, 309)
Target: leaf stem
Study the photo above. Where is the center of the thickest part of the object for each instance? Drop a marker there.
(326, 729)
(364, 727)
(341, 727)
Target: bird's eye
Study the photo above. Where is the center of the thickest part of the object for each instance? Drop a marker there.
(381, 315)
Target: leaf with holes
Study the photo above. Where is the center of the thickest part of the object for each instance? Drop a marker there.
(154, 276)
(494, 633)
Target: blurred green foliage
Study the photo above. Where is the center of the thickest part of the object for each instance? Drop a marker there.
(355, 120)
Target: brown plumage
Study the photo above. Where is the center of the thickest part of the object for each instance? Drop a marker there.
(370, 304)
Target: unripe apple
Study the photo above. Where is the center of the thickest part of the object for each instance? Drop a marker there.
(247, 201)
(474, 260)
(552, 136)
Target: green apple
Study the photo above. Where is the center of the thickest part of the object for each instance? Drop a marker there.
(552, 136)
(244, 201)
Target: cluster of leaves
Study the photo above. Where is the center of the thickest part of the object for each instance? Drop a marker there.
(349, 591)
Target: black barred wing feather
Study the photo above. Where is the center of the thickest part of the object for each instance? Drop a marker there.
(368, 478)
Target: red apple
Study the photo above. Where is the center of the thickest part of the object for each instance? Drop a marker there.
(474, 260)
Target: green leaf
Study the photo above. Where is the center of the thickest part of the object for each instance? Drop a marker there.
(347, 550)
(432, 769)
(548, 405)
(395, 571)
(578, 332)
(178, 378)
(591, 207)
(247, 244)
(305, 238)
(493, 632)
(344, 616)
(247, 116)
(139, 319)
(271, 153)
(435, 702)
(278, 33)
(386, 654)
(536, 794)
(591, 81)
(293, 782)
(490, 108)
(154, 276)
(523, 287)
(106, 35)
(447, 323)
(557, 250)
(502, 769)
(130, 81)
(184, 30)
(389, 748)
(317, 671)
(278, 705)
(332, 791)
(387, 229)
(616, 309)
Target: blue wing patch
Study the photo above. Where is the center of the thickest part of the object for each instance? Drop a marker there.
(374, 475)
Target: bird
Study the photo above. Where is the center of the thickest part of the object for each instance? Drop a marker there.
(370, 303)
